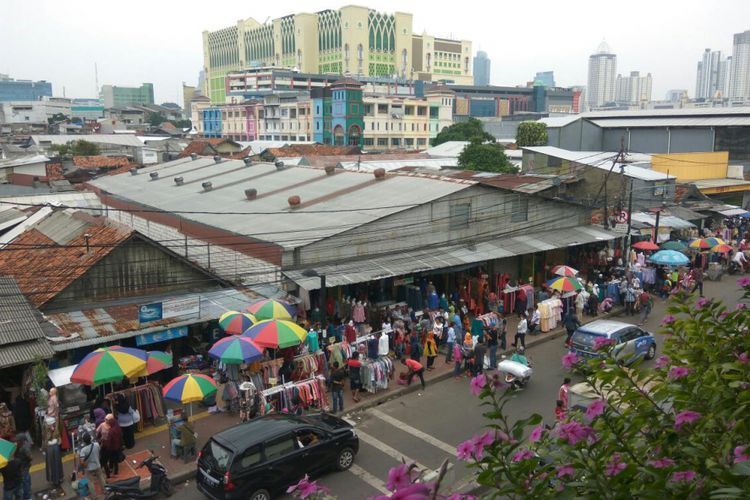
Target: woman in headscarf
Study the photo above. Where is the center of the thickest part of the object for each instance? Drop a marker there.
(109, 435)
(430, 349)
(126, 420)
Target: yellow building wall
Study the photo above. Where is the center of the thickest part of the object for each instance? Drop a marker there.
(692, 166)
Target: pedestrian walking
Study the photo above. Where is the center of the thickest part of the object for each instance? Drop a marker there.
(23, 453)
(646, 303)
(521, 331)
(450, 341)
(355, 381)
(109, 436)
(89, 457)
(415, 348)
(502, 332)
(492, 346)
(698, 279)
(457, 360)
(126, 419)
(571, 324)
(562, 393)
(337, 387)
(480, 350)
(414, 368)
(430, 350)
(12, 479)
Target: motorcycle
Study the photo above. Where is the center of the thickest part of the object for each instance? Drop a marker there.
(516, 374)
(130, 488)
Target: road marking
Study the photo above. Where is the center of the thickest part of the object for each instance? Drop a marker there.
(449, 449)
(369, 478)
(349, 421)
(379, 445)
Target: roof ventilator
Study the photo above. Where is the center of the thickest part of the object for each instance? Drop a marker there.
(248, 161)
(193, 156)
(133, 171)
(330, 170)
(379, 173)
(217, 159)
(279, 165)
(179, 181)
(154, 175)
(207, 186)
(251, 193)
(294, 201)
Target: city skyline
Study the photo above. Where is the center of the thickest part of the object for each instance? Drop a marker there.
(169, 53)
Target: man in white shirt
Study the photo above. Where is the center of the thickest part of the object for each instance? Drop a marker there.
(523, 327)
(740, 259)
(383, 348)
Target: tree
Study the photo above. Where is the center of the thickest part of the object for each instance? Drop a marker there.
(486, 157)
(679, 430)
(155, 119)
(531, 134)
(470, 130)
(76, 148)
(57, 118)
(182, 123)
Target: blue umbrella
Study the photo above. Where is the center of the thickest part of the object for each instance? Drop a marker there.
(669, 258)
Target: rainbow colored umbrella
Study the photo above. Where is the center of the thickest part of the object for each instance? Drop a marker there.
(276, 334)
(715, 241)
(564, 284)
(189, 388)
(235, 322)
(109, 364)
(269, 309)
(157, 361)
(6, 451)
(236, 350)
(701, 244)
(564, 271)
(722, 248)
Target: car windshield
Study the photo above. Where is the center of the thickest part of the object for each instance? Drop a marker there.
(585, 338)
(217, 457)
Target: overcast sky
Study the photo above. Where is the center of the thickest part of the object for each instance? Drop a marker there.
(159, 41)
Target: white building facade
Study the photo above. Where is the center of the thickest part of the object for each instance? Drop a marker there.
(739, 83)
(601, 80)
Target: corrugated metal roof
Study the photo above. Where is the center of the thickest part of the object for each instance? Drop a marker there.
(11, 216)
(720, 183)
(431, 259)
(18, 322)
(272, 219)
(697, 121)
(685, 213)
(389, 165)
(60, 227)
(664, 220)
(603, 161)
(25, 352)
(559, 121)
(450, 149)
(26, 160)
(116, 139)
(641, 113)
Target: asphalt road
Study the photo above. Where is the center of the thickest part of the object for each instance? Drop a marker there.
(426, 426)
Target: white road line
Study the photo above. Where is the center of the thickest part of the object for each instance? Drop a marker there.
(451, 450)
(379, 445)
(349, 421)
(369, 478)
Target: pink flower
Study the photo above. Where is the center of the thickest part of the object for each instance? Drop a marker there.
(661, 463)
(701, 303)
(668, 320)
(306, 488)
(400, 476)
(685, 417)
(497, 382)
(522, 455)
(566, 470)
(480, 441)
(740, 454)
(570, 360)
(477, 384)
(682, 476)
(743, 358)
(614, 466)
(662, 361)
(741, 306)
(536, 434)
(602, 342)
(415, 491)
(678, 372)
(465, 450)
(595, 408)
(573, 432)
(743, 282)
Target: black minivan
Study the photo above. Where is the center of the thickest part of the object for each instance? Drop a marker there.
(262, 457)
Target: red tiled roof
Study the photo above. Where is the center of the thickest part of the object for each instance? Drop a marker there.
(100, 161)
(43, 269)
(199, 147)
(325, 160)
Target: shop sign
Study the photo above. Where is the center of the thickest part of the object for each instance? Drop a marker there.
(162, 336)
(659, 188)
(172, 308)
(403, 281)
(621, 228)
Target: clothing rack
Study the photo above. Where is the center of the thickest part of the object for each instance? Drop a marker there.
(146, 398)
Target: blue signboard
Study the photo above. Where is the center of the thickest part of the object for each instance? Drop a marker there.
(150, 312)
(164, 335)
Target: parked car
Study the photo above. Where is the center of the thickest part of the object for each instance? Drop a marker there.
(631, 342)
(261, 458)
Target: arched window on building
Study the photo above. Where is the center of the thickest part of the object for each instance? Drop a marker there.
(354, 135)
(338, 135)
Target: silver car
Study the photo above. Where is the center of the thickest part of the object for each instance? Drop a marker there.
(631, 342)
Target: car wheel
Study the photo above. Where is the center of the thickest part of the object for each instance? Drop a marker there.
(651, 352)
(260, 495)
(345, 459)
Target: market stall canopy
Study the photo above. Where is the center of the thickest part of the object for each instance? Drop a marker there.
(564, 284)
(235, 322)
(564, 271)
(664, 221)
(109, 364)
(189, 388)
(701, 244)
(269, 309)
(6, 451)
(669, 258)
(277, 334)
(61, 376)
(646, 245)
(236, 350)
(674, 245)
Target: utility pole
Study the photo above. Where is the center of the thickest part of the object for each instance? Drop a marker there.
(656, 228)
(604, 187)
(627, 238)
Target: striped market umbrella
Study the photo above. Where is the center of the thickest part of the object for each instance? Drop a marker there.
(235, 322)
(722, 248)
(564, 271)
(564, 284)
(715, 241)
(701, 244)
(236, 350)
(109, 364)
(189, 388)
(669, 258)
(646, 245)
(674, 245)
(277, 334)
(6, 451)
(157, 361)
(269, 309)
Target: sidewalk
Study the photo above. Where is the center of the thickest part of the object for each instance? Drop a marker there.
(157, 438)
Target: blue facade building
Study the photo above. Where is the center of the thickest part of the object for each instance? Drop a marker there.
(23, 90)
(212, 122)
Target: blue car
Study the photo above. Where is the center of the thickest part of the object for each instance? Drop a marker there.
(631, 342)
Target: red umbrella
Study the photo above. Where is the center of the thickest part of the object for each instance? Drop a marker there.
(646, 245)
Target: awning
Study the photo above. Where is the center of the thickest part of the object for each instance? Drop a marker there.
(61, 376)
(415, 261)
(732, 212)
(25, 352)
(686, 213)
(664, 221)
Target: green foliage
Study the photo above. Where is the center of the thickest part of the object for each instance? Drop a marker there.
(471, 130)
(181, 123)
(485, 157)
(76, 148)
(678, 430)
(531, 134)
(155, 119)
(57, 118)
